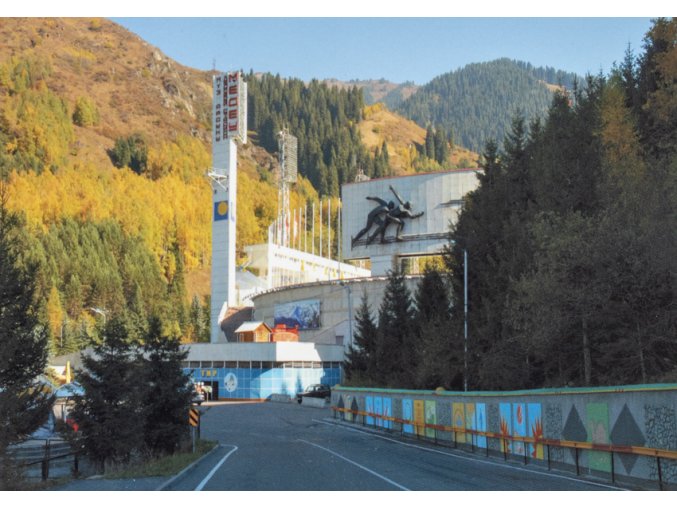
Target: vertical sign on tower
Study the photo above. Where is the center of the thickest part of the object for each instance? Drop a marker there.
(229, 123)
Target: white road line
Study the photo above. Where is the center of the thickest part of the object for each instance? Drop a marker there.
(503, 465)
(357, 465)
(213, 470)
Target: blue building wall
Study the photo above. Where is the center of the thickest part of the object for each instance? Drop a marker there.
(261, 383)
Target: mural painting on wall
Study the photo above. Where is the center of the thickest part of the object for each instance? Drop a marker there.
(535, 427)
(378, 409)
(354, 407)
(430, 417)
(598, 433)
(369, 408)
(388, 412)
(470, 422)
(408, 415)
(481, 425)
(506, 426)
(419, 416)
(458, 420)
(519, 428)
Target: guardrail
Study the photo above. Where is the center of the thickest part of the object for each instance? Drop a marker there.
(420, 427)
(45, 455)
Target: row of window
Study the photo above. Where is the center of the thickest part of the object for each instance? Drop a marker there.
(260, 364)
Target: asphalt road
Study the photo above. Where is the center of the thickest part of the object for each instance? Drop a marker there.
(289, 447)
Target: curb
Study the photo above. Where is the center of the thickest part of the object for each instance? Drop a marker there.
(183, 472)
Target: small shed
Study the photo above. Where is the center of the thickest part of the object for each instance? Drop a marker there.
(253, 332)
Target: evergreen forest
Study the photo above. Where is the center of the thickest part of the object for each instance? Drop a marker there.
(476, 102)
(571, 247)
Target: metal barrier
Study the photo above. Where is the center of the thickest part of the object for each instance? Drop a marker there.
(419, 430)
(47, 457)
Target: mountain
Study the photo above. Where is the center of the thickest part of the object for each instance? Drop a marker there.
(405, 140)
(379, 90)
(478, 101)
(104, 147)
(135, 87)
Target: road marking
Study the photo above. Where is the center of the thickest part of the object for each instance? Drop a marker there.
(213, 470)
(477, 460)
(357, 465)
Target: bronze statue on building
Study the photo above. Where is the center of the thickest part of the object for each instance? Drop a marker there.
(384, 215)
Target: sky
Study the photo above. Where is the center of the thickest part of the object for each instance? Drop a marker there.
(309, 39)
(397, 49)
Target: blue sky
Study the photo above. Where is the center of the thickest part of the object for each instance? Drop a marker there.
(397, 49)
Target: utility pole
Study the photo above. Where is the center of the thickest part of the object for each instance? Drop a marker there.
(465, 319)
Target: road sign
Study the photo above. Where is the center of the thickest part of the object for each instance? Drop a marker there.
(194, 417)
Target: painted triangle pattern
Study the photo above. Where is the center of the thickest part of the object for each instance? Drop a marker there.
(626, 431)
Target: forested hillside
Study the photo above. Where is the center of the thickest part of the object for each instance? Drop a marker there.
(104, 147)
(477, 102)
(571, 252)
(571, 237)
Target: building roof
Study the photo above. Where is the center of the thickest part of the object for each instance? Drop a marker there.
(235, 316)
(251, 326)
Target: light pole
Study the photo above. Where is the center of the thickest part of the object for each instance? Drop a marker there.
(465, 319)
(350, 311)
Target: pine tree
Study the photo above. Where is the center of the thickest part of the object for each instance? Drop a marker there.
(167, 391)
(395, 348)
(432, 322)
(360, 362)
(429, 142)
(24, 407)
(441, 146)
(109, 412)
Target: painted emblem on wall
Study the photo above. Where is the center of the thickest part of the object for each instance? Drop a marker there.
(220, 211)
(385, 214)
(230, 382)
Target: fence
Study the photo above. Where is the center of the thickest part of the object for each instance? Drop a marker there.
(42, 458)
(447, 418)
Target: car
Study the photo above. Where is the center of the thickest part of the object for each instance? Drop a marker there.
(197, 398)
(197, 395)
(314, 391)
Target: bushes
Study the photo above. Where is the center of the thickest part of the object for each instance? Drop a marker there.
(130, 152)
(86, 113)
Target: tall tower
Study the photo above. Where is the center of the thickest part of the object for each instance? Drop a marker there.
(288, 146)
(229, 123)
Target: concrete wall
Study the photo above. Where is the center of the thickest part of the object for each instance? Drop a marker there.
(640, 416)
(335, 329)
(263, 351)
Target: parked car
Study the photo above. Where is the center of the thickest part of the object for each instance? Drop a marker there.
(314, 391)
(197, 398)
(198, 395)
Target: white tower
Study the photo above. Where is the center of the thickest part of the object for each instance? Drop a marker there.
(288, 173)
(229, 122)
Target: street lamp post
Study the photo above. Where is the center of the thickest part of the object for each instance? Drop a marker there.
(350, 311)
(465, 319)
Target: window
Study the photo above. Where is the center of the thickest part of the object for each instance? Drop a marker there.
(231, 364)
(218, 364)
(194, 364)
(205, 364)
(244, 364)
